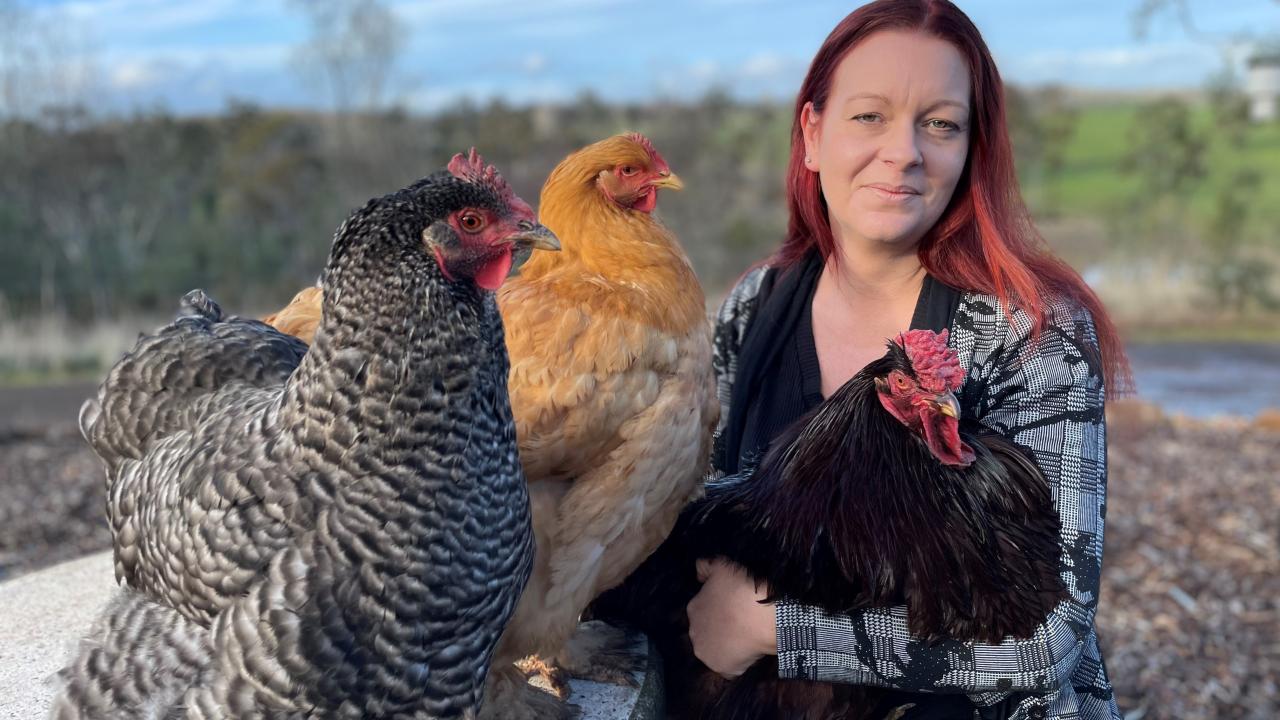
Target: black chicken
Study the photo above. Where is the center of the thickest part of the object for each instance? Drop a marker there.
(339, 532)
(876, 498)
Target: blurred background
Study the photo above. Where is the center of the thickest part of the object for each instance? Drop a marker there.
(148, 147)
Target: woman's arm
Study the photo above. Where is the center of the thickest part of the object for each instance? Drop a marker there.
(1046, 393)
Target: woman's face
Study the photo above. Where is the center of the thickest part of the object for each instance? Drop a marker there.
(891, 143)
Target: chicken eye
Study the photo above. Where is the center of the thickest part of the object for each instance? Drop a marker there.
(901, 381)
(629, 170)
(471, 222)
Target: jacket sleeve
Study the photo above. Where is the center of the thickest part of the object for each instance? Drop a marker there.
(731, 324)
(1046, 393)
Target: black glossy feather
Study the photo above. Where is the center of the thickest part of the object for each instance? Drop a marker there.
(848, 510)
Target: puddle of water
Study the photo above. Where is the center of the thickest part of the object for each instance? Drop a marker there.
(1207, 379)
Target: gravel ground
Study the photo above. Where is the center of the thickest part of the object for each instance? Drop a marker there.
(1190, 608)
(52, 498)
(51, 485)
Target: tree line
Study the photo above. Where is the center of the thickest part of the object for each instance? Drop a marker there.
(101, 218)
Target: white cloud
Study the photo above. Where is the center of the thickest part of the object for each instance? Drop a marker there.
(135, 18)
(485, 12)
(1112, 58)
(1154, 65)
(765, 65)
(534, 63)
(270, 56)
(131, 75)
(705, 71)
(761, 75)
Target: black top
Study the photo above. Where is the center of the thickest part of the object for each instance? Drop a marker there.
(788, 383)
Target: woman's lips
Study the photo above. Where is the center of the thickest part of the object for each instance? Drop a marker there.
(894, 193)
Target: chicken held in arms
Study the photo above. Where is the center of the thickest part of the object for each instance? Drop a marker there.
(339, 532)
(614, 398)
(876, 498)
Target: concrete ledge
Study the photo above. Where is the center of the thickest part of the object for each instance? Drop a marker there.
(44, 615)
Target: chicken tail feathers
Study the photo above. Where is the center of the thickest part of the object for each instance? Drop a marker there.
(197, 303)
(157, 388)
(90, 412)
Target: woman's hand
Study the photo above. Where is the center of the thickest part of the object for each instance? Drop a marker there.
(728, 624)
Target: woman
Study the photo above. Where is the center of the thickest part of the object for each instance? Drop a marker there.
(905, 214)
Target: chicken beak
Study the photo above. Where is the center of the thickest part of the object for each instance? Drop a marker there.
(534, 235)
(948, 405)
(668, 181)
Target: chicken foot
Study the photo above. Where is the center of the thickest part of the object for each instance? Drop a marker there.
(602, 653)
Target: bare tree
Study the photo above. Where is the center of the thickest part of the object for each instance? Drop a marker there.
(1226, 44)
(1149, 10)
(45, 60)
(352, 50)
(351, 55)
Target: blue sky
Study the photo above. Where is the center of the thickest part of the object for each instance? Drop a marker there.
(192, 55)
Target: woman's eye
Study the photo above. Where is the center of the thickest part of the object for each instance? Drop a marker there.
(471, 222)
(940, 124)
(867, 118)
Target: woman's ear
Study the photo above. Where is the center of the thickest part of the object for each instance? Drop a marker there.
(809, 128)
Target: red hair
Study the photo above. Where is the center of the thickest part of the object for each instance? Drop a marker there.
(985, 240)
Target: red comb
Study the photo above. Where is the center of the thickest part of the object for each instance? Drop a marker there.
(643, 142)
(472, 169)
(937, 367)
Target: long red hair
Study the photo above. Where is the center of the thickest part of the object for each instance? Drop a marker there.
(985, 240)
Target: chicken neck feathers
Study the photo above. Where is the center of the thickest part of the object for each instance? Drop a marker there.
(612, 258)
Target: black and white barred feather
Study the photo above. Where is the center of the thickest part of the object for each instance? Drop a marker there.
(339, 532)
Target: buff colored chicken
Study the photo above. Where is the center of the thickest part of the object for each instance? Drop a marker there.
(614, 398)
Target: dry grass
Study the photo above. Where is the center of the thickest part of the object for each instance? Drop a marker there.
(41, 350)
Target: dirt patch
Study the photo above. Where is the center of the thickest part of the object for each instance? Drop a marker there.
(54, 498)
(52, 488)
(38, 407)
(1190, 611)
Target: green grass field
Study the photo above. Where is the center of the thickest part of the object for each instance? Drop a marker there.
(1094, 184)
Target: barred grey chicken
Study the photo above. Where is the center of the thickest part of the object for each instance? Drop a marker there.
(339, 532)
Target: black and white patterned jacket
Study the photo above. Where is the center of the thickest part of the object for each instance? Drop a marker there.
(1047, 395)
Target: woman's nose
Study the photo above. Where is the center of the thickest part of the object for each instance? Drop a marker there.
(901, 146)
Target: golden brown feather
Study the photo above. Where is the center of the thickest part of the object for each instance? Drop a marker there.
(300, 317)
